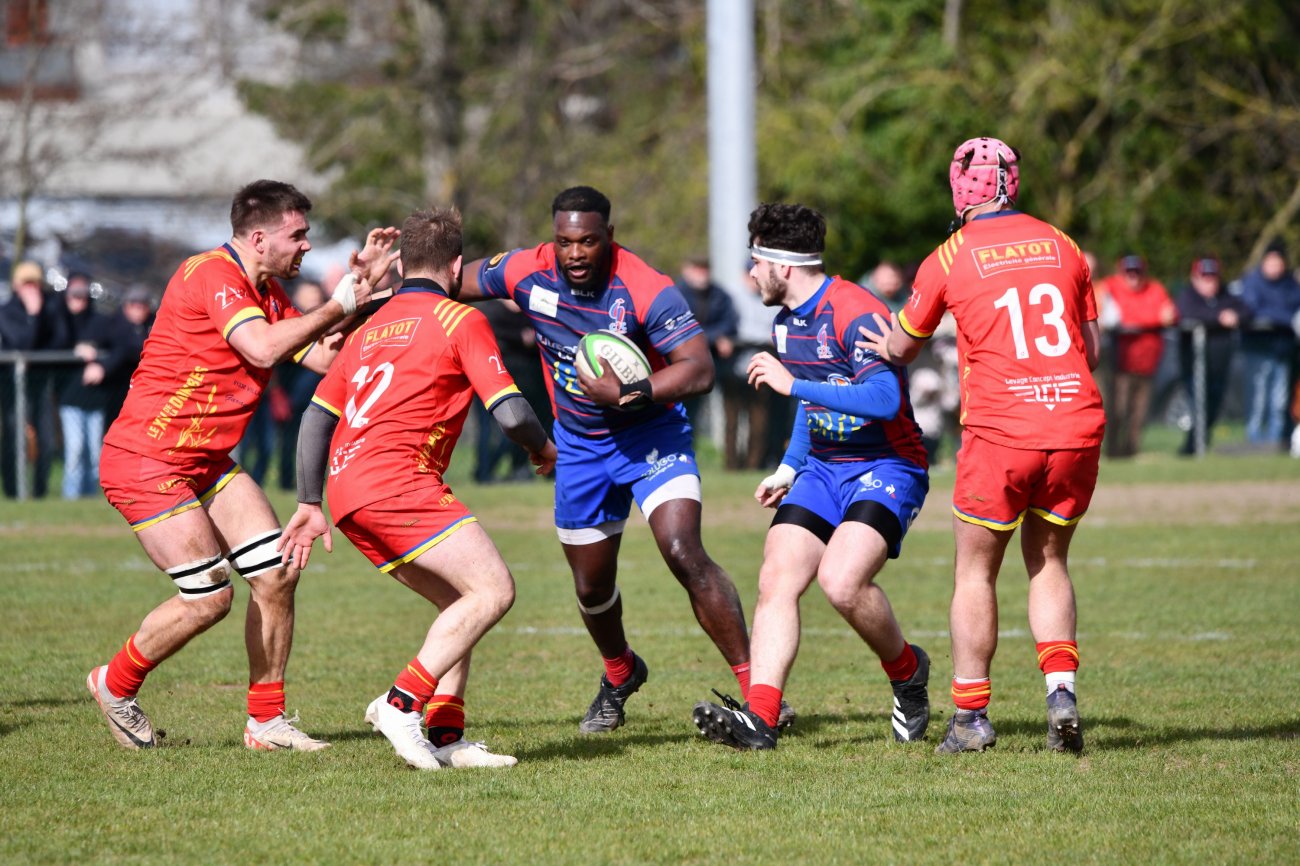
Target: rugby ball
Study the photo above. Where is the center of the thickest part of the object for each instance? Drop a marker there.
(624, 357)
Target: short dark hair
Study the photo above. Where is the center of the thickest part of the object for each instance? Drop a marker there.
(263, 203)
(790, 227)
(583, 199)
(431, 240)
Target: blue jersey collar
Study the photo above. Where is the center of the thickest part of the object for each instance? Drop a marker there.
(811, 304)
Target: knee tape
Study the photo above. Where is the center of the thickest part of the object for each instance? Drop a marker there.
(257, 555)
(602, 607)
(201, 578)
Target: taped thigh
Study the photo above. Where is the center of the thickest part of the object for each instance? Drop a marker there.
(257, 555)
(199, 579)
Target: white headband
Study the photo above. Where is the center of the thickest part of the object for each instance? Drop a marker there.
(785, 257)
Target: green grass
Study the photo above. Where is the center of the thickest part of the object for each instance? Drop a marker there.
(1189, 602)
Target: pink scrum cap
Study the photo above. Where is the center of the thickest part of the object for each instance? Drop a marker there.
(983, 170)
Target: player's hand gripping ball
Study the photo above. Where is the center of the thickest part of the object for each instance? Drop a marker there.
(624, 357)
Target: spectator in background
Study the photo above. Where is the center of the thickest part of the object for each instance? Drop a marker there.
(518, 343)
(1136, 309)
(82, 394)
(31, 321)
(1204, 303)
(756, 408)
(889, 284)
(127, 331)
(714, 310)
(1268, 343)
(298, 383)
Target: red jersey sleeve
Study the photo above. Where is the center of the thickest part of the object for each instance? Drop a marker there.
(925, 307)
(222, 288)
(480, 359)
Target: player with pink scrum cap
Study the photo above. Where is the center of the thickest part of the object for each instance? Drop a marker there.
(1027, 339)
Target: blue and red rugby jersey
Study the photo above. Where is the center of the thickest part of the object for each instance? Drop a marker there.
(815, 342)
(639, 302)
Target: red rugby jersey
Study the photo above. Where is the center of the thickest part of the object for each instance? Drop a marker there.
(1020, 292)
(193, 394)
(401, 388)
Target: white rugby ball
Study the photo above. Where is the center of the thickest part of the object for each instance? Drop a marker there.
(624, 357)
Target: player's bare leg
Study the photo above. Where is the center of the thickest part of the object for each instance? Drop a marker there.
(182, 538)
(466, 578)
(973, 621)
(854, 556)
(973, 618)
(790, 557)
(247, 527)
(595, 573)
(1052, 620)
(1046, 546)
(183, 543)
(676, 528)
(241, 511)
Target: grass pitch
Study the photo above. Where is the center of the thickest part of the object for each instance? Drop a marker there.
(1189, 605)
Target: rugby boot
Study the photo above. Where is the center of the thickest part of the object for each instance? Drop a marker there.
(280, 733)
(912, 701)
(606, 711)
(126, 721)
(404, 732)
(463, 753)
(1064, 730)
(733, 725)
(968, 731)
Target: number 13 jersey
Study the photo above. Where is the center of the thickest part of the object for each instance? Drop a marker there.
(401, 388)
(1020, 292)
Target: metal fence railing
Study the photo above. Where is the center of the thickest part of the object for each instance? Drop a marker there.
(21, 362)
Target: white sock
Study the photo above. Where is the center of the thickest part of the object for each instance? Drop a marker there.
(1057, 678)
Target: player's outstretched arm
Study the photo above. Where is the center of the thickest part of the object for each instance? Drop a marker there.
(519, 423)
(309, 522)
(470, 290)
(893, 344)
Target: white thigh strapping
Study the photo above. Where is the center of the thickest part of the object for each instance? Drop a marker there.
(681, 487)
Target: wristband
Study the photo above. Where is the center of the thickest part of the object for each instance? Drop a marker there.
(345, 294)
(636, 393)
(783, 477)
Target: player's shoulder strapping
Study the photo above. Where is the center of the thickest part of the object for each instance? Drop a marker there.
(946, 252)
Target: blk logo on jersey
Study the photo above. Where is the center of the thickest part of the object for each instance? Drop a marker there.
(618, 317)
(823, 344)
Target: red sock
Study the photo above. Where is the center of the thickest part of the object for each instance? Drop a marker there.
(765, 702)
(417, 682)
(742, 676)
(265, 700)
(619, 670)
(903, 667)
(1055, 656)
(971, 695)
(127, 670)
(444, 716)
